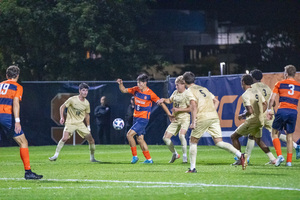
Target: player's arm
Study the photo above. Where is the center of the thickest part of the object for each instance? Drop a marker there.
(165, 108)
(163, 100)
(248, 111)
(265, 106)
(270, 112)
(121, 86)
(16, 110)
(194, 113)
(87, 121)
(61, 114)
(216, 102)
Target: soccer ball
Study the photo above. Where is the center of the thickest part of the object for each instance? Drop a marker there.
(118, 124)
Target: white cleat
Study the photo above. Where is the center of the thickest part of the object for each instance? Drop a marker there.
(184, 159)
(174, 157)
(53, 158)
(279, 160)
(94, 160)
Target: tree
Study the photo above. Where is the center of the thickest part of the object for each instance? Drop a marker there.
(49, 40)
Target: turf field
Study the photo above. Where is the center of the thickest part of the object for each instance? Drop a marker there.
(72, 176)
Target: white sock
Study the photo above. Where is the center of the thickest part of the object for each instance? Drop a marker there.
(193, 155)
(170, 144)
(183, 144)
(59, 147)
(271, 156)
(249, 147)
(282, 137)
(228, 147)
(92, 151)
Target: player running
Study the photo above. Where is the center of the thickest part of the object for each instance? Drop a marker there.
(10, 96)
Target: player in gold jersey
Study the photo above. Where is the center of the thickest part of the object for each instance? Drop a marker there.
(78, 111)
(255, 106)
(181, 108)
(266, 92)
(204, 118)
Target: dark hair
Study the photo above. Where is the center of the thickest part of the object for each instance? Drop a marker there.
(189, 77)
(256, 74)
(290, 70)
(83, 86)
(142, 78)
(247, 79)
(12, 71)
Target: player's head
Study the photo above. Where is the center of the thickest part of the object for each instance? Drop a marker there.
(12, 71)
(246, 81)
(290, 70)
(83, 89)
(180, 84)
(142, 80)
(179, 80)
(256, 74)
(189, 77)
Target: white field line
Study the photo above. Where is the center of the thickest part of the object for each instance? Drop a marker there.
(141, 184)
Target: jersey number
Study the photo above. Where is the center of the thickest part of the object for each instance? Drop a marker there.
(4, 88)
(256, 97)
(292, 89)
(265, 92)
(201, 91)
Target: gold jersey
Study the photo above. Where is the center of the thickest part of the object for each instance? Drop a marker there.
(181, 100)
(254, 98)
(264, 89)
(76, 109)
(204, 99)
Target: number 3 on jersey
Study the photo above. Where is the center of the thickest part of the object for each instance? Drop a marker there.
(292, 89)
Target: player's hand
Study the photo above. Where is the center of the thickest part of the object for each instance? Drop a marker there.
(18, 127)
(174, 110)
(159, 102)
(240, 117)
(62, 121)
(270, 115)
(193, 125)
(119, 81)
(171, 118)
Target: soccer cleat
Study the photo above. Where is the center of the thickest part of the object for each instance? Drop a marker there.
(288, 164)
(298, 152)
(271, 162)
(148, 162)
(134, 159)
(279, 160)
(236, 158)
(244, 161)
(32, 175)
(184, 159)
(191, 170)
(174, 157)
(94, 160)
(53, 158)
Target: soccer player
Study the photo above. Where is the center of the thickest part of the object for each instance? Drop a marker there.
(286, 116)
(204, 118)
(10, 96)
(181, 108)
(78, 111)
(255, 106)
(143, 98)
(266, 92)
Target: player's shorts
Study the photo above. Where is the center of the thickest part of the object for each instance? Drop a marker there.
(212, 126)
(250, 128)
(177, 125)
(268, 123)
(139, 125)
(6, 123)
(80, 128)
(285, 119)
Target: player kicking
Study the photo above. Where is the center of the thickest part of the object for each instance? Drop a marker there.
(204, 118)
(266, 92)
(10, 96)
(78, 110)
(255, 106)
(181, 108)
(143, 98)
(286, 116)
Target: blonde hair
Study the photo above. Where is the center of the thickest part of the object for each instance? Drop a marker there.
(180, 80)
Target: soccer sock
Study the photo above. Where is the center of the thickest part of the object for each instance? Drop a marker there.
(271, 156)
(249, 147)
(170, 144)
(289, 157)
(183, 144)
(147, 155)
(92, 150)
(277, 146)
(282, 137)
(59, 147)
(193, 155)
(226, 146)
(24, 153)
(133, 151)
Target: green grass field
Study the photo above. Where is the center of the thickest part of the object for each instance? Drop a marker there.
(73, 176)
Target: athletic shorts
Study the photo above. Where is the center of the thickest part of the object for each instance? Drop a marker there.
(285, 119)
(176, 126)
(250, 128)
(139, 125)
(80, 128)
(268, 123)
(7, 125)
(212, 126)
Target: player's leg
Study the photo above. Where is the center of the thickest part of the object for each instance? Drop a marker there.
(170, 145)
(61, 143)
(182, 139)
(130, 137)
(92, 147)
(144, 147)
(282, 137)
(193, 154)
(226, 146)
(249, 146)
(289, 148)
(265, 149)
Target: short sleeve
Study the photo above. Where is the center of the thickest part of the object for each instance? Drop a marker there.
(276, 88)
(68, 102)
(19, 92)
(132, 90)
(246, 99)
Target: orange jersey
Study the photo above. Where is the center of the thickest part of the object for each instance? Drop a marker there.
(289, 93)
(8, 91)
(142, 101)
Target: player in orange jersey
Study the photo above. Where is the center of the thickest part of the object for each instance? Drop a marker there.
(286, 116)
(143, 98)
(10, 96)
